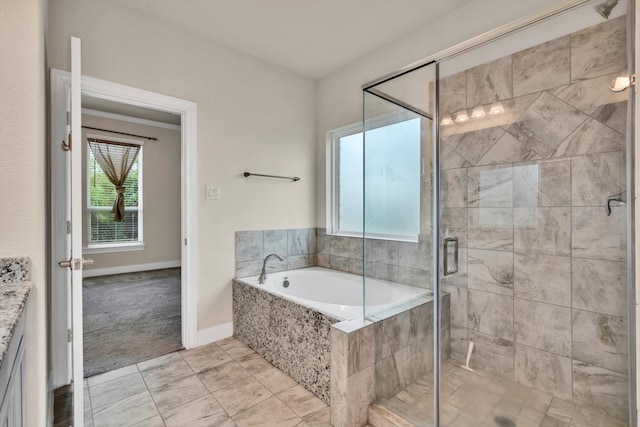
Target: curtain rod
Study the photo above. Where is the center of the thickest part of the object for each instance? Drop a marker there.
(150, 138)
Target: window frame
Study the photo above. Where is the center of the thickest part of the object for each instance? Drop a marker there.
(332, 179)
(333, 190)
(122, 246)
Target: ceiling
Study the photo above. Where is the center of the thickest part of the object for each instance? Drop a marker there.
(313, 38)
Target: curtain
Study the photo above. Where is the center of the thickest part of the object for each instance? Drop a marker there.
(115, 159)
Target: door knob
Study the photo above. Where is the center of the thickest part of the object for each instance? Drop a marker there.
(75, 263)
(65, 264)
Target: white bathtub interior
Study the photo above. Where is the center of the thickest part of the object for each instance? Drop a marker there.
(336, 293)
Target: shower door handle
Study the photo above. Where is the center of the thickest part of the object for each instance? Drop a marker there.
(450, 256)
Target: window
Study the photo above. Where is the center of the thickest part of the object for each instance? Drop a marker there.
(103, 233)
(392, 180)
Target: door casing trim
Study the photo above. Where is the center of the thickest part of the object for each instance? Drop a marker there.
(60, 85)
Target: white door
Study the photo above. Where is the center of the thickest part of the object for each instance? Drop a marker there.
(71, 178)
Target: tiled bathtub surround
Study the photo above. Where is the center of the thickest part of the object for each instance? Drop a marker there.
(350, 363)
(401, 262)
(296, 246)
(542, 282)
(376, 360)
(293, 338)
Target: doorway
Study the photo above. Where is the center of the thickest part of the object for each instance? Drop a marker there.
(131, 292)
(60, 296)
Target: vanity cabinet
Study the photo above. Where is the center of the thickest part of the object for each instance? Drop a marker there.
(12, 381)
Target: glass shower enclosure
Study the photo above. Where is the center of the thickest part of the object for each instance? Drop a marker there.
(400, 220)
(497, 180)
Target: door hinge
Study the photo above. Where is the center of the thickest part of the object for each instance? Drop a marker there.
(68, 227)
(68, 118)
(185, 242)
(69, 335)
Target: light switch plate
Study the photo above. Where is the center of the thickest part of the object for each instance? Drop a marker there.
(213, 193)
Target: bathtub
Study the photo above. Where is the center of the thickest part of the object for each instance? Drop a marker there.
(335, 293)
(290, 327)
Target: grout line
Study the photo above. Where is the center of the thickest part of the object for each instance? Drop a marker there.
(90, 401)
(150, 394)
(571, 238)
(272, 393)
(513, 267)
(513, 74)
(256, 379)
(111, 405)
(216, 400)
(570, 56)
(209, 392)
(183, 403)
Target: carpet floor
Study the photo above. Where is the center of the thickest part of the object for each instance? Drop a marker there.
(129, 318)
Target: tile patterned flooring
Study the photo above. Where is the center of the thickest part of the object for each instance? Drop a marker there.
(221, 384)
(478, 399)
(228, 384)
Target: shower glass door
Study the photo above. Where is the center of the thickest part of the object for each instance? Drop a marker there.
(399, 237)
(533, 150)
(529, 246)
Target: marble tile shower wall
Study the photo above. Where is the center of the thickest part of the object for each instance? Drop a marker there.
(542, 284)
(401, 262)
(296, 246)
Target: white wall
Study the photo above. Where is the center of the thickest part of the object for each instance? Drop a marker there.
(23, 230)
(251, 116)
(160, 198)
(340, 95)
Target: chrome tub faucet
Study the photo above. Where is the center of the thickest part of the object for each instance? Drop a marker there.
(263, 273)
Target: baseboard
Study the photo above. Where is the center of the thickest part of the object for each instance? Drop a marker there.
(215, 333)
(94, 272)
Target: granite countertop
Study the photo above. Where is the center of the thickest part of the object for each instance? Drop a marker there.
(15, 285)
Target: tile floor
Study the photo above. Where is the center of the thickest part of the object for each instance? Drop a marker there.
(483, 400)
(221, 384)
(228, 384)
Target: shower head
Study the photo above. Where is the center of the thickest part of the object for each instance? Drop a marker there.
(604, 9)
